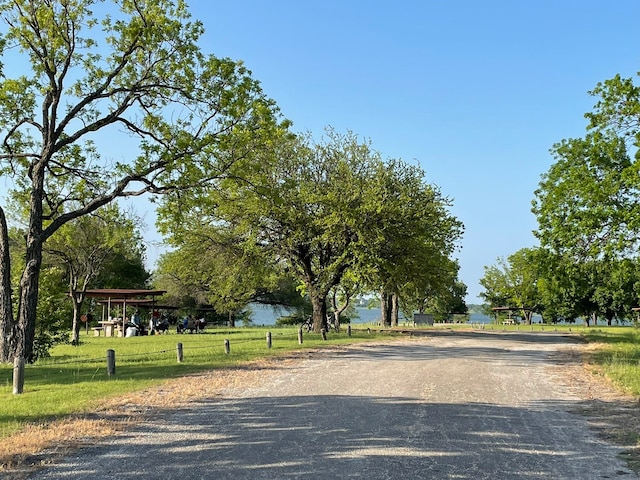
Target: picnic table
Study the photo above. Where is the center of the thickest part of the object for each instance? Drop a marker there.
(109, 327)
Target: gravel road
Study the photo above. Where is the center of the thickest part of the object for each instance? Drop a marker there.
(463, 405)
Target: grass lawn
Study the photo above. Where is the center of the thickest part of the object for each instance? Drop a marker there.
(616, 352)
(74, 379)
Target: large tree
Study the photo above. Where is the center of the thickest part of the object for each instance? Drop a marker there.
(586, 203)
(406, 254)
(131, 75)
(588, 211)
(303, 208)
(329, 211)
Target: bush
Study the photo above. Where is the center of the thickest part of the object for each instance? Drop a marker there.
(289, 320)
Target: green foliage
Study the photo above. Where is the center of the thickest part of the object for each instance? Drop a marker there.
(101, 250)
(131, 72)
(54, 313)
(514, 282)
(586, 203)
(290, 320)
(410, 238)
(210, 267)
(588, 214)
(301, 210)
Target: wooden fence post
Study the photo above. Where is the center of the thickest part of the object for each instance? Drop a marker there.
(348, 330)
(268, 339)
(227, 347)
(300, 335)
(179, 352)
(111, 362)
(18, 375)
(323, 332)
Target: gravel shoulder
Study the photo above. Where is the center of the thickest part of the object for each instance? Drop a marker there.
(451, 404)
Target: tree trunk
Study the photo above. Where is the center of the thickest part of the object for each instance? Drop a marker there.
(338, 309)
(336, 319)
(77, 299)
(319, 316)
(386, 308)
(75, 324)
(383, 307)
(231, 322)
(7, 322)
(394, 310)
(528, 316)
(22, 346)
(22, 342)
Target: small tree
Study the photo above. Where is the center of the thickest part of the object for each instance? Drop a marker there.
(84, 247)
(514, 283)
(213, 269)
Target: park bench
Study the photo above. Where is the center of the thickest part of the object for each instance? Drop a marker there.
(97, 331)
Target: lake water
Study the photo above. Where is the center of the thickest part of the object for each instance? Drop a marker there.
(264, 315)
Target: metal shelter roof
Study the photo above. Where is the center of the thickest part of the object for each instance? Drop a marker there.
(123, 293)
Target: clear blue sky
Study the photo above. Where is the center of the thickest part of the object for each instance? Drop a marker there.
(475, 92)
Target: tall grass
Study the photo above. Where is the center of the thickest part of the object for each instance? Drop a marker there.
(74, 379)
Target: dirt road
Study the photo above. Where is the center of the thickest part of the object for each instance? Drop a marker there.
(463, 405)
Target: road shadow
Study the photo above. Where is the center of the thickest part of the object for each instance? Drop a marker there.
(519, 349)
(524, 335)
(336, 436)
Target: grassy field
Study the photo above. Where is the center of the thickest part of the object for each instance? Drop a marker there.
(617, 354)
(74, 379)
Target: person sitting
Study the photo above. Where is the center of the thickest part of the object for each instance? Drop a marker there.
(191, 324)
(187, 324)
(182, 326)
(154, 322)
(131, 331)
(163, 325)
(200, 324)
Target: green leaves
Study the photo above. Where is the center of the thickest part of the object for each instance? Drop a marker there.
(585, 202)
(516, 281)
(140, 71)
(130, 77)
(618, 108)
(588, 211)
(329, 210)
